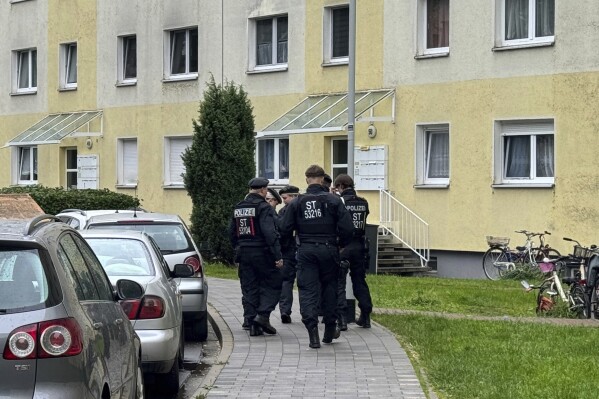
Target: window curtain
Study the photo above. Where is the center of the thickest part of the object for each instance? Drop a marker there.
(23, 69)
(283, 158)
(72, 64)
(282, 40)
(516, 19)
(340, 30)
(130, 71)
(438, 155)
(177, 52)
(545, 151)
(266, 158)
(517, 156)
(25, 164)
(264, 42)
(545, 17)
(437, 20)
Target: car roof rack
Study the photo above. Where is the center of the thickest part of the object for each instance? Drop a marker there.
(33, 223)
(79, 211)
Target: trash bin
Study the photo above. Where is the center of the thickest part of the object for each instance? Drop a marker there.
(372, 234)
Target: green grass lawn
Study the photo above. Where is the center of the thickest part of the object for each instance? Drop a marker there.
(464, 358)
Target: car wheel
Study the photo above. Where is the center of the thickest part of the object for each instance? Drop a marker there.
(199, 328)
(139, 382)
(170, 381)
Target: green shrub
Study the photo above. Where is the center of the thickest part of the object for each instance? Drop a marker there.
(52, 200)
(525, 271)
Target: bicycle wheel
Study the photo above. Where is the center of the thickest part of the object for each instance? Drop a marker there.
(545, 299)
(543, 253)
(594, 305)
(579, 302)
(495, 262)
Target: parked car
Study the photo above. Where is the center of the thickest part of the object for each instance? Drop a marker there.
(62, 330)
(77, 218)
(157, 317)
(176, 244)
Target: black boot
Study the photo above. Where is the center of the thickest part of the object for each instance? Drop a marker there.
(314, 338)
(255, 330)
(246, 323)
(263, 322)
(331, 332)
(364, 320)
(342, 322)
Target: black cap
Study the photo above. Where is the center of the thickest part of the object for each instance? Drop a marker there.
(258, 182)
(289, 190)
(275, 195)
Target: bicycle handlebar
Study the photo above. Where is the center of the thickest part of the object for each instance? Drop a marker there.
(531, 234)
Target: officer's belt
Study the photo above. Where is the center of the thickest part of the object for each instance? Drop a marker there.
(252, 243)
(316, 242)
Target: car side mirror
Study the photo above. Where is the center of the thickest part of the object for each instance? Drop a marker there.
(128, 289)
(183, 270)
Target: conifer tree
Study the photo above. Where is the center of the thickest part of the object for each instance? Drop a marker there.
(219, 164)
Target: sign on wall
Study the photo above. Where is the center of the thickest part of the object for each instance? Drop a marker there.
(87, 171)
(370, 167)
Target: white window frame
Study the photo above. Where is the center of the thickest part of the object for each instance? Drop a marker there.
(17, 154)
(123, 50)
(328, 37)
(253, 45)
(423, 148)
(127, 162)
(172, 161)
(335, 166)
(531, 40)
(70, 170)
(530, 128)
(17, 59)
(422, 32)
(67, 63)
(276, 179)
(168, 55)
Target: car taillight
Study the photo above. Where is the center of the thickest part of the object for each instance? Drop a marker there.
(131, 308)
(56, 338)
(149, 307)
(194, 261)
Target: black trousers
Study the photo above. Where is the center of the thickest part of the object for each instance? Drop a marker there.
(288, 273)
(317, 271)
(260, 281)
(354, 253)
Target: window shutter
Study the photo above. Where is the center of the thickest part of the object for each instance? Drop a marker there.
(175, 163)
(130, 161)
(529, 127)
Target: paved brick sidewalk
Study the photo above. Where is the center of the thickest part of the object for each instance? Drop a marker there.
(362, 363)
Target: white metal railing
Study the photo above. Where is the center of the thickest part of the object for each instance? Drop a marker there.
(399, 221)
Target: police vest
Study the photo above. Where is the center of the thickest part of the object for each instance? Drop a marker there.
(314, 219)
(358, 209)
(247, 225)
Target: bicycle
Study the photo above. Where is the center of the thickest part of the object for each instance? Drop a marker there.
(551, 290)
(500, 258)
(587, 260)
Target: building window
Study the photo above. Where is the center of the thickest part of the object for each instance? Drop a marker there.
(433, 27)
(25, 71)
(269, 50)
(127, 59)
(526, 21)
(432, 146)
(26, 165)
(338, 157)
(336, 35)
(127, 162)
(181, 56)
(68, 66)
(524, 152)
(174, 169)
(273, 159)
(71, 168)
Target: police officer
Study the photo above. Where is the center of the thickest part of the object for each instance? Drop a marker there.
(288, 246)
(254, 236)
(321, 223)
(273, 198)
(355, 254)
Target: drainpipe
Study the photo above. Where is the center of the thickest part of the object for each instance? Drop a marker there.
(351, 88)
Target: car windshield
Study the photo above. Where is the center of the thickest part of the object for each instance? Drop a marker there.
(23, 281)
(122, 256)
(170, 238)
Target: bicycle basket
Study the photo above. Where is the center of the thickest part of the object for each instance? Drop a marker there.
(581, 252)
(498, 241)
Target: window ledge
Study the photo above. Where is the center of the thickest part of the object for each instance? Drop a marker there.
(125, 186)
(506, 47)
(524, 185)
(126, 84)
(332, 63)
(435, 55)
(434, 186)
(24, 93)
(67, 88)
(173, 186)
(183, 78)
(282, 68)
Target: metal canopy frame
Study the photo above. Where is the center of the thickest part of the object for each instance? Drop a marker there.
(54, 127)
(328, 113)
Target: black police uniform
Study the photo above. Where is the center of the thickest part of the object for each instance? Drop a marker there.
(355, 253)
(321, 223)
(288, 272)
(254, 235)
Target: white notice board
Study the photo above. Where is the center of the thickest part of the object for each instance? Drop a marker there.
(370, 167)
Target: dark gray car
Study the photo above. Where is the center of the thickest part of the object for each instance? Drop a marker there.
(63, 333)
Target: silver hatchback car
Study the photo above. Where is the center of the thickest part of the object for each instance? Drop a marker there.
(157, 317)
(62, 331)
(177, 246)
